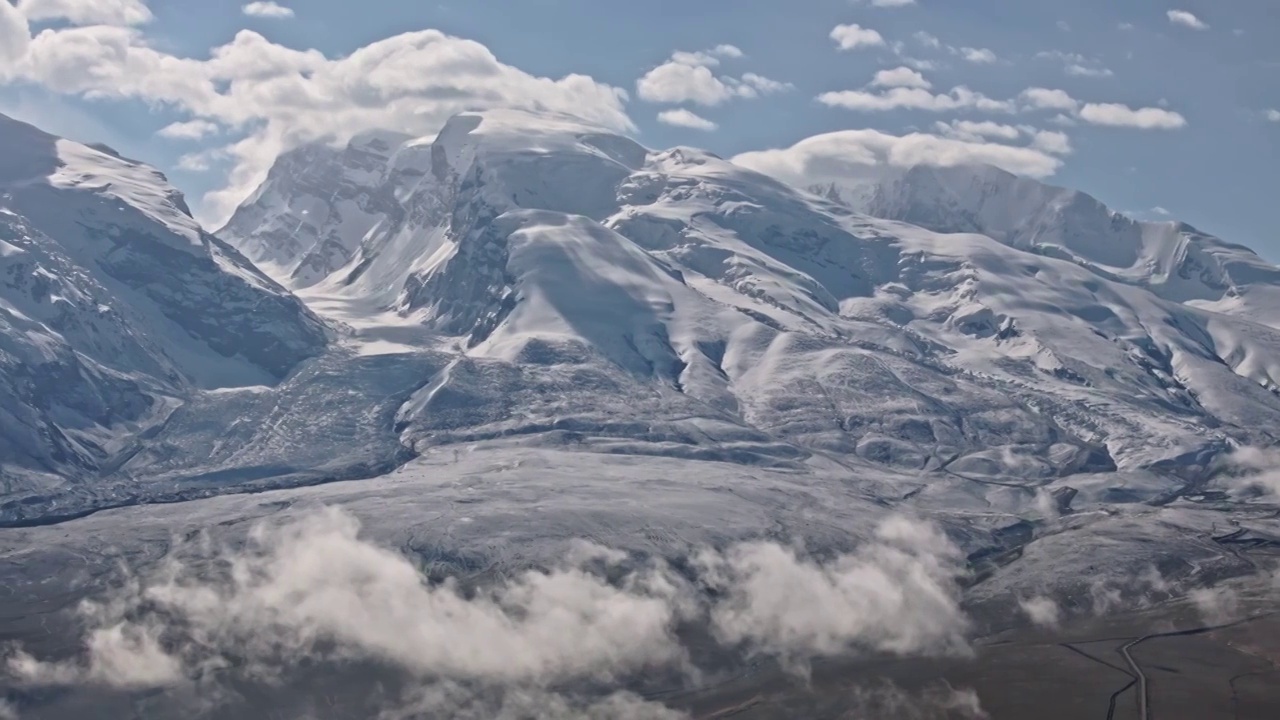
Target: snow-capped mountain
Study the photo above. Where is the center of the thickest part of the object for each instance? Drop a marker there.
(315, 207)
(528, 279)
(115, 306)
(672, 302)
(1172, 259)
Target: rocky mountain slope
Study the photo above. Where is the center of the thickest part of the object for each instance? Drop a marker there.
(115, 307)
(529, 280)
(1171, 259)
(672, 302)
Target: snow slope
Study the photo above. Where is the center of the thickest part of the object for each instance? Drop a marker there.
(1172, 259)
(672, 302)
(115, 306)
(528, 280)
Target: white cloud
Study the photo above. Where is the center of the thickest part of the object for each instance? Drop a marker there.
(1125, 26)
(190, 130)
(1118, 115)
(899, 98)
(854, 36)
(1051, 141)
(1159, 210)
(275, 98)
(710, 58)
(1045, 99)
(764, 85)
(927, 40)
(688, 77)
(311, 589)
(1042, 611)
(1086, 71)
(850, 155)
(900, 77)
(975, 131)
(200, 162)
(1076, 64)
(1064, 26)
(87, 12)
(15, 36)
(678, 82)
(267, 10)
(686, 118)
(1253, 471)
(897, 594)
(886, 3)
(1186, 19)
(1273, 115)
(979, 56)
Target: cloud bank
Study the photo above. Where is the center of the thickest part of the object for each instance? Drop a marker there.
(313, 590)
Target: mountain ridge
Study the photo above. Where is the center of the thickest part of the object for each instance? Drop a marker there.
(527, 280)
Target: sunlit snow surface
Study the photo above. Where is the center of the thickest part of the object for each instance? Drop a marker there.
(537, 333)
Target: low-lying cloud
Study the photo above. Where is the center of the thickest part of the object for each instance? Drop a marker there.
(313, 590)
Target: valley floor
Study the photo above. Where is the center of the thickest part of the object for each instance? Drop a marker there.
(485, 513)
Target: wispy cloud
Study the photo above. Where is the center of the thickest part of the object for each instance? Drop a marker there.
(190, 130)
(854, 36)
(686, 118)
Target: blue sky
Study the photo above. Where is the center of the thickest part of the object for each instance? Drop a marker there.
(1163, 106)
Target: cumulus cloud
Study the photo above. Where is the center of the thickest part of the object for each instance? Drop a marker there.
(912, 98)
(1186, 19)
(312, 589)
(686, 118)
(189, 130)
(1057, 143)
(1273, 115)
(688, 77)
(895, 595)
(854, 36)
(267, 10)
(900, 77)
(1042, 611)
(1252, 472)
(853, 155)
(979, 56)
(87, 12)
(1118, 115)
(273, 98)
(677, 82)
(1045, 99)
